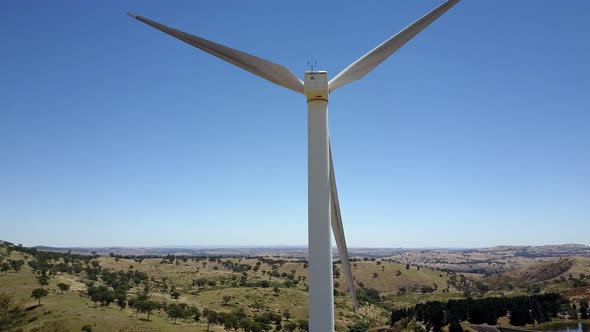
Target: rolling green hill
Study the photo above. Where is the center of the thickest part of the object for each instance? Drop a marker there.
(247, 290)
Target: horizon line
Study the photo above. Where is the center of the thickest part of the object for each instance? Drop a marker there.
(281, 246)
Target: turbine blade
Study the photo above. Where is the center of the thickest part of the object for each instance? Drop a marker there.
(336, 221)
(268, 70)
(369, 61)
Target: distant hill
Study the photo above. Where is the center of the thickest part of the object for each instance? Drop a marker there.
(226, 251)
(556, 274)
(490, 260)
(563, 250)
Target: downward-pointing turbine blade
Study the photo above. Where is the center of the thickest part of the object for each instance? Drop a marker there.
(268, 70)
(369, 61)
(336, 221)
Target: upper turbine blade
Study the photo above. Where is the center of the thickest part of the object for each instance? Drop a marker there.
(336, 221)
(268, 70)
(369, 61)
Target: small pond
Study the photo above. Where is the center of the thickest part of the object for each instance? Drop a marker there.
(566, 327)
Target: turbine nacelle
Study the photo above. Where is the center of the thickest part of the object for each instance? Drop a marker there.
(315, 85)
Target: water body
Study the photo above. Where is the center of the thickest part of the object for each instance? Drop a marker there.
(566, 327)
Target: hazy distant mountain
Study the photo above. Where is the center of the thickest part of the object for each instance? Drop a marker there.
(301, 251)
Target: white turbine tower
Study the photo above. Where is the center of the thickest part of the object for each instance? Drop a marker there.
(323, 206)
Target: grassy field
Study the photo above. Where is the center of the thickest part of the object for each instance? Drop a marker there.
(72, 310)
(399, 286)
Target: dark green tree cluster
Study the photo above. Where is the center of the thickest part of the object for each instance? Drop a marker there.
(236, 267)
(522, 310)
(368, 295)
(182, 311)
(272, 261)
(51, 263)
(584, 309)
(120, 282)
(12, 264)
(238, 319)
(10, 311)
(361, 326)
(101, 294)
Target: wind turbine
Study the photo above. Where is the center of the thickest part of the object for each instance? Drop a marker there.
(323, 205)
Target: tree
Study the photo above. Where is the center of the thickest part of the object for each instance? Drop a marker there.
(39, 293)
(519, 314)
(63, 287)
(43, 280)
(174, 294)
(212, 317)
(16, 265)
(146, 306)
(573, 313)
(195, 313)
(290, 326)
(434, 317)
(455, 326)
(303, 324)
(4, 267)
(359, 327)
(226, 299)
(426, 289)
(200, 282)
(583, 309)
(287, 315)
(121, 299)
(176, 311)
(101, 294)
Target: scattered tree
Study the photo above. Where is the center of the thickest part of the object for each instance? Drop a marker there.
(4, 267)
(39, 293)
(63, 287)
(146, 306)
(43, 280)
(175, 294)
(176, 311)
(287, 315)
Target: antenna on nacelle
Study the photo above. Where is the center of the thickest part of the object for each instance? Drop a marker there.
(312, 64)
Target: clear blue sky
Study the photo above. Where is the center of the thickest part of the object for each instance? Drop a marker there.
(475, 133)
